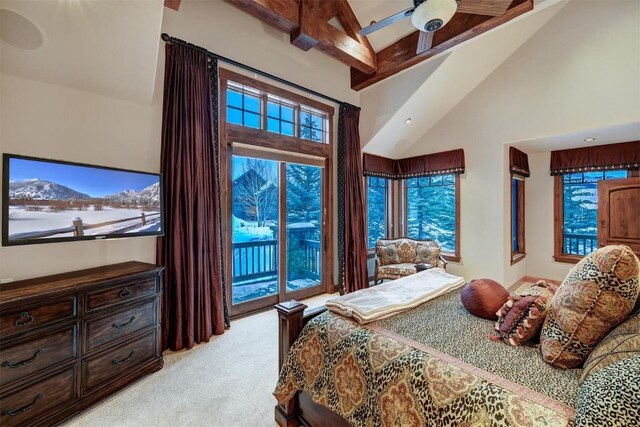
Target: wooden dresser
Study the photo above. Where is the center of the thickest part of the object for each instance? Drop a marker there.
(69, 340)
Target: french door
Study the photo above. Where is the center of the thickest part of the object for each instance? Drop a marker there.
(278, 223)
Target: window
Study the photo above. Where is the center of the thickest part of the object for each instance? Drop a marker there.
(517, 218)
(432, 207)
(280, 118)
(259, 109)
(311, 126)
(576, 205)
(243, 107)
(377, 209)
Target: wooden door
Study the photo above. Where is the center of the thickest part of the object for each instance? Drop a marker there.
(619, 213)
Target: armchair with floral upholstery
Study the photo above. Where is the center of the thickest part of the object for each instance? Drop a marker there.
(397, 258)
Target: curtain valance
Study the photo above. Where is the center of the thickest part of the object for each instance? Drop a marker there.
(519, 162)
(446, 162)
(624, 155)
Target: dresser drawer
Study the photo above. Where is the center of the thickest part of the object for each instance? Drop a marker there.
(24, 358)
(108, 366)
(18, 407)
(29, 317)
(118, 294)
(119, 324)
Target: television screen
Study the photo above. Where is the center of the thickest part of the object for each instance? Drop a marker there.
(46, 201)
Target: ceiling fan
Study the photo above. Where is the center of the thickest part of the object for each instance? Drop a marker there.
(427, 16)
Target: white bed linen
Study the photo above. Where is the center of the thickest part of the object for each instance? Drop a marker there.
(382, 301)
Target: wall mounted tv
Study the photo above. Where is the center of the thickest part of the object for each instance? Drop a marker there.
(45, 201)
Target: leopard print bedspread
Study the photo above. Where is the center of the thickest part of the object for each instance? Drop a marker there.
(371, 379)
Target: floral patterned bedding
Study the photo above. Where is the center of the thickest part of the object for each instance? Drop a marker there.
(376, 378)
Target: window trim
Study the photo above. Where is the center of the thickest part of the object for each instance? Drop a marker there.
(388, 211)
(517, 256)
(558, 219)
(449, 256)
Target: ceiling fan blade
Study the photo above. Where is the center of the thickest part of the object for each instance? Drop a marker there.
(387, 21)
(425, 41)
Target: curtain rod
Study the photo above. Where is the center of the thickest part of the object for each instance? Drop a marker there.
(174, 40)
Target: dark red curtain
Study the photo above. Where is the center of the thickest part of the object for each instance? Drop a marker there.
(354, 265)
(190, 251)
(378, 166)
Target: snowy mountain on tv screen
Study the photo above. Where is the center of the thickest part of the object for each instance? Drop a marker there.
(38, 189)
(147, 196)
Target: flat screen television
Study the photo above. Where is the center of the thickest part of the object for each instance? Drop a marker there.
(46, 201)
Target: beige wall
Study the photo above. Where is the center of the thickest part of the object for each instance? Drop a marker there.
(53, 122)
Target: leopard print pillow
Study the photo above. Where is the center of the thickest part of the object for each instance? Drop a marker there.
(611, 396)
(596, 296)
(387, 254)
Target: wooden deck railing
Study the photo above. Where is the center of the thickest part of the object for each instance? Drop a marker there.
(78, 227)
(580, 244)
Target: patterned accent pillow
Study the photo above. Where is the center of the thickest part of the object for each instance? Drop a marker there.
(483, 298)
(406, 250)
(596, 296)
(621, 343)
(611, 396)
(387, 252)
(521, 317)
(427, 252)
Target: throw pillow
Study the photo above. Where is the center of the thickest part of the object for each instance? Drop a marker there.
(387, 252)
(521, 317)
(427, 253)
(596, 296)
(611, 396)
(621, 343)
(483, 298)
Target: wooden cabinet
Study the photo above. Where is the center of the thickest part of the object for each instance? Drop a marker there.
(69, 340)
(618, 220)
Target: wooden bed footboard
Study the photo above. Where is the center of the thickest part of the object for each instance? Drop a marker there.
(301, 409)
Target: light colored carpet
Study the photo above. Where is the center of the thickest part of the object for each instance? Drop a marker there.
(225, 382)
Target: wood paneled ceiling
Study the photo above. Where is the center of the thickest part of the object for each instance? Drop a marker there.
(312, 24)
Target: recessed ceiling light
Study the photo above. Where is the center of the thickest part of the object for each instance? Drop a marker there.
(408, 120)
(589, 139)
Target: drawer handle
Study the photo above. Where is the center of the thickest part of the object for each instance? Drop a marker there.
(23, 409)
(125, 293)
(126, 359)
(24, 319)
(125, 324)
(8, 364)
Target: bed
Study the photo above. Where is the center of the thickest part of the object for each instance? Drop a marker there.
(431, 365)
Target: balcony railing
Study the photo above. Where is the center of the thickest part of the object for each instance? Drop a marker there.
(259, 259)
(580, 244)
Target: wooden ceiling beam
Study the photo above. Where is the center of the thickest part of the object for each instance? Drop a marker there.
(462, 27)
(172, 4)
(282, 14)
(484, 7)
(348, 47)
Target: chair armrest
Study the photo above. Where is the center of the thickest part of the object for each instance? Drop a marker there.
(443, 261)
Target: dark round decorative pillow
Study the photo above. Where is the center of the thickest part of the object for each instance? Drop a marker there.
(483, 298)
(621, 343)
(611, 396)
(596, 296)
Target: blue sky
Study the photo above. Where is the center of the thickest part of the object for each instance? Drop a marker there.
(238, 166)
(92, 181)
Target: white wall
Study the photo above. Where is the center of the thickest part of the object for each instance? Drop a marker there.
(568, 77)
(43, 120)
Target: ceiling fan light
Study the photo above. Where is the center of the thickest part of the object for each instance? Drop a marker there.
(432, 15)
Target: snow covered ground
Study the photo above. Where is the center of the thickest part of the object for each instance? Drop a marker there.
(248, 291)
(23, 221)
(248, 231)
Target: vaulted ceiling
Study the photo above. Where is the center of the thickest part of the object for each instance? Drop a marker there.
(333, 26)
